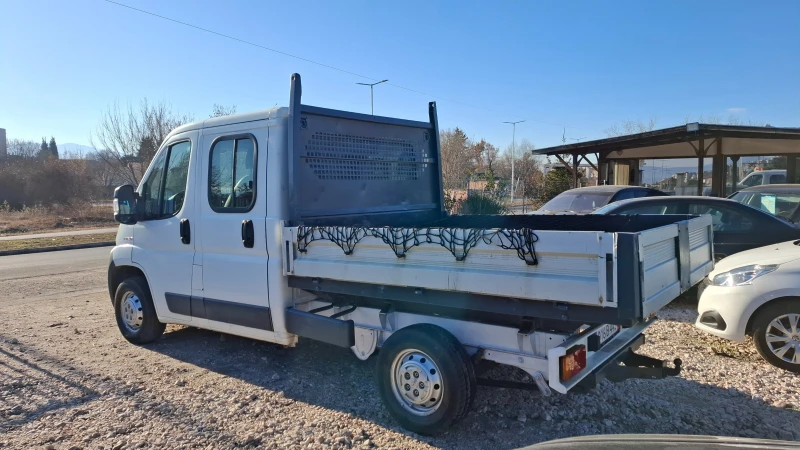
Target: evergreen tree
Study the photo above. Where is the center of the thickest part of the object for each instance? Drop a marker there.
(557, 180)
(53, 148)
(44, 151)
(147, 149)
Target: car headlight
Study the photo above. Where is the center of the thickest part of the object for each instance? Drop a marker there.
(743, 275)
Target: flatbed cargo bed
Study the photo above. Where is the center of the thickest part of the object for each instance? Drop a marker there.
(588, 269)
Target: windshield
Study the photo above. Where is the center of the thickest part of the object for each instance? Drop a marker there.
(785, 205)
(577, 202)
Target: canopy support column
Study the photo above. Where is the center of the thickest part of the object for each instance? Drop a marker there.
(734, 173)
(574, 170)
(718, 172)
(791, 168)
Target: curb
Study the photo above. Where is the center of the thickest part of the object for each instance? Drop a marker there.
(26, 251)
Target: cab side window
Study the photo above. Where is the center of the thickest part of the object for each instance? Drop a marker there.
(777, 179)
(164, 189)
(753, 180)
(232, 179)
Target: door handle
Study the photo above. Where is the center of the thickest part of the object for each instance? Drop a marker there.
(248, 234)
(186, 231)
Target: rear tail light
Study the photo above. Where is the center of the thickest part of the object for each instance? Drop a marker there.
(572, 363)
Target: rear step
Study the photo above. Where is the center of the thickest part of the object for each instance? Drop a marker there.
(330, 329)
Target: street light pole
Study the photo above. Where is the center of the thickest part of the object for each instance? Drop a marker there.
(371, 104)
(513, 144)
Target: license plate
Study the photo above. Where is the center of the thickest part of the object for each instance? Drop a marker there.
(601, 336)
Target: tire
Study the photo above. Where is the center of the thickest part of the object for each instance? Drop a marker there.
(146, 327)
(444, 368)
(786, 310)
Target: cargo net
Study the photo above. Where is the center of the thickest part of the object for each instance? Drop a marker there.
(345, 237)
(458, 241)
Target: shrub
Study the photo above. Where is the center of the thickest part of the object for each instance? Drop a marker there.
(481, 203)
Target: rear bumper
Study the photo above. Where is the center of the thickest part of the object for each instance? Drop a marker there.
(615, 361)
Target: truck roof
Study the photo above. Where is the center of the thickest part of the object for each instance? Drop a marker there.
(264, 114)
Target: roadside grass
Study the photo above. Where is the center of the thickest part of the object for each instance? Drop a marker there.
(58, 241)
(37, 219)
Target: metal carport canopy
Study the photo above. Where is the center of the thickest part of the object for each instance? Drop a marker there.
(693, 140)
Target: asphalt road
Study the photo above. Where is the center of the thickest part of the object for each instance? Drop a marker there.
(46, 276)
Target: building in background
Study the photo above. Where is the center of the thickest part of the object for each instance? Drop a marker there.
(3, 144)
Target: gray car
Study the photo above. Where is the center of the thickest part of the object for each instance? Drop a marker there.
(587, 199)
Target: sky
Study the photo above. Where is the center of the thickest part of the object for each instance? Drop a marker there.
(568, 68)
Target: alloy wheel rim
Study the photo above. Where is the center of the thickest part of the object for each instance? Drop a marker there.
(783, 337)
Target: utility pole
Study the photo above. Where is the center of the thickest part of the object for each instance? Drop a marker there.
(371, 104)
(513, 144)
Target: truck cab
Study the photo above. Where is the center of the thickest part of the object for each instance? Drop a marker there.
(762, 177)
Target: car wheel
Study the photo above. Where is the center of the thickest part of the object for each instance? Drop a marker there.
(425, 378)
(135, 313)
(776, 334)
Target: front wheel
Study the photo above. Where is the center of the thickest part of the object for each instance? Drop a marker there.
(425, 378)
(135, 312)
(776, 334)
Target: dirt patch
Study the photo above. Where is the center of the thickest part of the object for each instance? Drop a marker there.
(38, 219)
(56, 241)
(68, 379)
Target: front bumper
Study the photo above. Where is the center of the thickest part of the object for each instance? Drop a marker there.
(724, 311)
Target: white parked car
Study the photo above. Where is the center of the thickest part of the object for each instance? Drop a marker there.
(757, 292)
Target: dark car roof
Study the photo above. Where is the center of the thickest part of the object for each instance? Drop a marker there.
(773, 188)
(695, 199)
(677, 198)
(609, 188)
(681, 198)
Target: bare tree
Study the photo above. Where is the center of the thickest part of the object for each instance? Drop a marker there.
(220, 110)
(456, 158)
(126, 138)
(490, 155)
(631, 127)
(527, 168)
(22, 148)
(715, 120)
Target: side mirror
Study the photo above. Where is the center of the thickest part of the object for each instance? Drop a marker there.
(125, 205)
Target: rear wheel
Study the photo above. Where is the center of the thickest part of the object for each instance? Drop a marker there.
(135, 313)
(425, 378)
(776, 334)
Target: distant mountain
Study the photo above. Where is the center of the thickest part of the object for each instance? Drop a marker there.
(70, 150)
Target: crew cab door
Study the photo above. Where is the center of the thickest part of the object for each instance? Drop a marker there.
(164, 245)
(233, 248)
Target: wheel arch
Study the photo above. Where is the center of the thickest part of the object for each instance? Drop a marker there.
(750, 320)
(118, 274)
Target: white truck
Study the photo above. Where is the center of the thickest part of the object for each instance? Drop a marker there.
(305, 222)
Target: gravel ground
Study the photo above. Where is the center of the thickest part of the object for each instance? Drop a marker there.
(69, 380)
